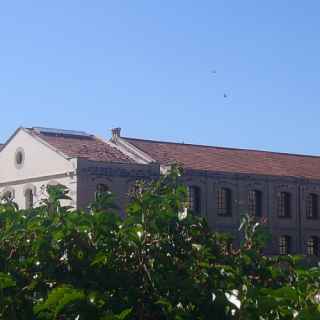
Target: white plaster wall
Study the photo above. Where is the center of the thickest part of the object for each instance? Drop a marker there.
(39, 187)
(39, 160)
(41, 166)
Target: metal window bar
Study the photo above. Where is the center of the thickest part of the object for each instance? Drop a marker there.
(313, 246)
(312, 206)
(284, 245)
(255, 203)
(224, 202)
(284, 204)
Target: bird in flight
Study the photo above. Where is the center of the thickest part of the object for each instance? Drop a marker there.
(214, 72)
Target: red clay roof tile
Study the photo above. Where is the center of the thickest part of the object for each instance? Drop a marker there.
(88, 147)
(220, 159)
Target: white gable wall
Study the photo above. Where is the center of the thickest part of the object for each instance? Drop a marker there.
(42, 165)
(39, 161)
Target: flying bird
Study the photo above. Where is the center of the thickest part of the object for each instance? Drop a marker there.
(214, 72)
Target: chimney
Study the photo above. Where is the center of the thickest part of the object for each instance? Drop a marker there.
(116, 133)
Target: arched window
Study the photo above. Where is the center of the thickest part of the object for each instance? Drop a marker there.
(255, 203)
(284, 245)
(101, 190)
(312, 206)
(29, 198)
(284, 205)
(194, 199)
(313, 246)
(224, 202)
(7, 195)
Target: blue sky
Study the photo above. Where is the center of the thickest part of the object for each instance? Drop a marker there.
(147, 66)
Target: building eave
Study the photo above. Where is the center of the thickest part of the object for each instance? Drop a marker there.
(132, 151)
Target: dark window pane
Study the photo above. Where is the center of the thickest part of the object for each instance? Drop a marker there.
(101, 190)
(255, 203)
(312, 206)
(224, 202)
(8, 195)
(284, 204)
(313, 246)
(284, 245)
(194, 199)
(29, 198)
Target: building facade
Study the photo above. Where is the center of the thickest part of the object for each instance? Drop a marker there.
(223, 183)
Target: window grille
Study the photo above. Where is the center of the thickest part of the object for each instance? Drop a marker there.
(255, 203)
(224, 202)
(312, 206)
(284, 205)
(284, 245)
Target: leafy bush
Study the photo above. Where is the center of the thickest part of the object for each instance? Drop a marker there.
(160, 262)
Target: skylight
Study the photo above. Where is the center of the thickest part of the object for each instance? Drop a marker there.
(62, 132)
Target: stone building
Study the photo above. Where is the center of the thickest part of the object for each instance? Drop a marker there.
(223, 182)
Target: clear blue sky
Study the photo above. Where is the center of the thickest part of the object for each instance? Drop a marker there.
(146, 66)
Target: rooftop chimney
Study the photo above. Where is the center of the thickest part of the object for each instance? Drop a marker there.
(116, 133)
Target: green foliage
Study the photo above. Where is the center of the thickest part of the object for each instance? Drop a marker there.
(61, 300)
(160, 262)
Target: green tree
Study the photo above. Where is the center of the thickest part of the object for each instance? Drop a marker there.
(160, 262)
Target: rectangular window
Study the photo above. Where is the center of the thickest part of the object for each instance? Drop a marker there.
(255, 203)
(312, 206)
(284, 205)
(224, 202)
(284, 245)
(313, 246)
(194, 199)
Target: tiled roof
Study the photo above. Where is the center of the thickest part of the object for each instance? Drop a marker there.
(88, 146)
(220, 159)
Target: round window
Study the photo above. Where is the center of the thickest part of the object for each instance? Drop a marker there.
(19, 158)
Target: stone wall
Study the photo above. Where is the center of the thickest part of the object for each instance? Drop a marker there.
(297, 226)
(118, 177)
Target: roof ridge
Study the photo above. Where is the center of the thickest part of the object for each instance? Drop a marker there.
(223, 148)
(90, 147)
